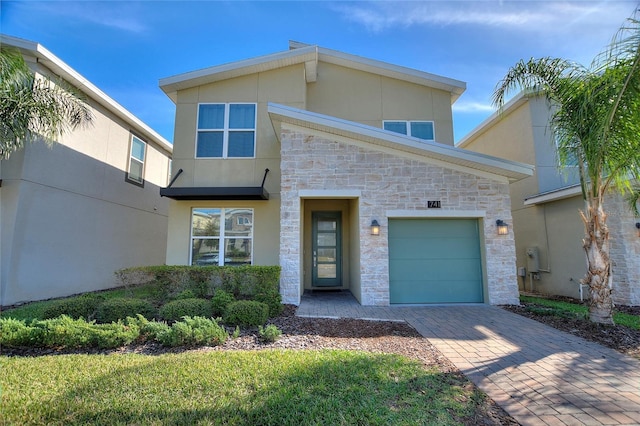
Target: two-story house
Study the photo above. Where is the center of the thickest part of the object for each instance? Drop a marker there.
(342, 170)
(73, 214)
(548, 229)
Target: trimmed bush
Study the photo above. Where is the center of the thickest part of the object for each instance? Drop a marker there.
(83, 306)
(219, 302)
(186, 294)
(193, 331)
(244, 282)
(177, 309)
(246, 312)
(273, 300)
(66, 332)
(270, 333)
(120, 308)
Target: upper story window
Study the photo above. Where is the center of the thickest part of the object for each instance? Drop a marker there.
(137, 153)
(417, 129)
(226, 131)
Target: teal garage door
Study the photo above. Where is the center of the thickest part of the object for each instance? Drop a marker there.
(434, 261)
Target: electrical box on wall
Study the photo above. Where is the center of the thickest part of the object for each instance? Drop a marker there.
(533, 260)
(522, 271)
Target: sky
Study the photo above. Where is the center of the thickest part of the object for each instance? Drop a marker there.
(125, 48)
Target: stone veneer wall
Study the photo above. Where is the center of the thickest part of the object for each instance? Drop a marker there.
(387, 182)
(624, 251)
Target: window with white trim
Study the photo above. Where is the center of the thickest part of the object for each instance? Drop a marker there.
(417, 129)
(221, 236)
(226, 131)
(135, 173)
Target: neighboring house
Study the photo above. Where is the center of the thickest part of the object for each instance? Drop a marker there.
(548, 229)
(298, 158)
(73, 214)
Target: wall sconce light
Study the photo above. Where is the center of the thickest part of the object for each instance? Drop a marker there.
(503, 228)
(638, 228)
(375, 227)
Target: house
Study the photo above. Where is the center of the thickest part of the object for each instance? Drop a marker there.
(342, 170)
(547, 226)
(73, 214)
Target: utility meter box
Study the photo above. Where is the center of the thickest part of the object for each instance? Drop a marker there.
(533, 260)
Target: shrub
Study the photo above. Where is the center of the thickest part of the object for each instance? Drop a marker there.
(270, 333)
(14, 333)
(247, 312)
(193, 307)
(221, 299)
(193, 331)
(273, 300)
(186, 294)
(83, 306)
(66, 332)
(120, 308)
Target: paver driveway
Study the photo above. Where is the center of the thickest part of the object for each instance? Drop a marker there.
(538, 374)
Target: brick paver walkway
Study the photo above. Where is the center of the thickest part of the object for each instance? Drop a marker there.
(539, 375)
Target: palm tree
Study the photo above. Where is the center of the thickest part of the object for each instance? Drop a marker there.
(596, 120)
(33, 108)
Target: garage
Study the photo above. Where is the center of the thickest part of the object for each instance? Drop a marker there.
(435, 261)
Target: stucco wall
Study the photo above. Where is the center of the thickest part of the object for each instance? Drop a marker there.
(369, 99)
(69, 218)
(387, 182)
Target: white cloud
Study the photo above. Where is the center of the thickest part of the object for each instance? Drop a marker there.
(123, 17)
(534, 16)
(472, 107)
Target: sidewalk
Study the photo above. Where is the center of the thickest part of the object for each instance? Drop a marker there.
(539, 375)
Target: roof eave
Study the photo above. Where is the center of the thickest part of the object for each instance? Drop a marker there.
(514, 171)
(74, 78)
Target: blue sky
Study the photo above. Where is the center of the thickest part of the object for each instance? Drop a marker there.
(124, 48)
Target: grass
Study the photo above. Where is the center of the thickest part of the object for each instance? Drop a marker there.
(328, 387)
(34, 310)
(574, 310)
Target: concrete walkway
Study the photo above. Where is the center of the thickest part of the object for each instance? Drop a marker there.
(539, 375)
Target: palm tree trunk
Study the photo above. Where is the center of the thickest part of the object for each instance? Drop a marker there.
(596, 247)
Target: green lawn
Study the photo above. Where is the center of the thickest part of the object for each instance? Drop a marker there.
(232, 388)
(575, 310)
(151, 292)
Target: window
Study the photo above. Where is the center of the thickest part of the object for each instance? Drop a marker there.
(221, 236)
(136, 161)
(417, 129)
(226, 131)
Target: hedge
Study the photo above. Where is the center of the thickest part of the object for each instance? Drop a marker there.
(244, 282)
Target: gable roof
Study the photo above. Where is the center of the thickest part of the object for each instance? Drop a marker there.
(469, 160)
(309, 55)
(64, 71)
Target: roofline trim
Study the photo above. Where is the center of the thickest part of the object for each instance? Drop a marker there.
(303, 53)
(453, 155)
(61, 68)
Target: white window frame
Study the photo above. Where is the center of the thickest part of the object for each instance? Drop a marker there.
(408, 123)
(132, 159)
(226, 130)
(222, 237)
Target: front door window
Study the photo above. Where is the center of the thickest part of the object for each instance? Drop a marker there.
(326, 250)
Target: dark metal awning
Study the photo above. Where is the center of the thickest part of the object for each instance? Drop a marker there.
(216, 192)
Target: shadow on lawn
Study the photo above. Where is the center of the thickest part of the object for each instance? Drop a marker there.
(330, 387)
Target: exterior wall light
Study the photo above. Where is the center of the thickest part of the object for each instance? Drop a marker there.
(503, 228)
(375, 227)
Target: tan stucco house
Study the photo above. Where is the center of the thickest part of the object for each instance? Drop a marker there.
(342, 170)
(548, 229)
(73, 214)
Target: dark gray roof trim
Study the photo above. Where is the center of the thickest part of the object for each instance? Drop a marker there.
(216, 193)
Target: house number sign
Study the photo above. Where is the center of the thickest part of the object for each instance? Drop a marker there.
(433, 204)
